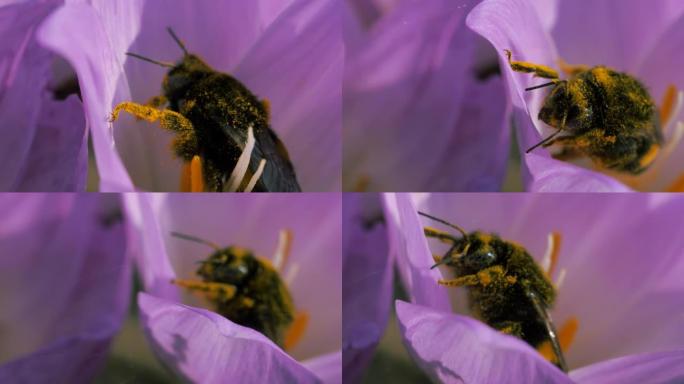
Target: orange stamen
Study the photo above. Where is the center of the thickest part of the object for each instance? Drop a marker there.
(196, 177)
(667, 106)
(185, 178)
(296, 331)
(678, 185)
(566, 336)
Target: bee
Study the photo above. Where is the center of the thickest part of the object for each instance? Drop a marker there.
(248, 290)
(220, 127)
(506, 288)
(604, 114)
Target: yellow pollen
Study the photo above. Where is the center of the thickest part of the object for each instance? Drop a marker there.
(196, 177)
(667, 106)
(603, 77)
(566, 335)
(296, 331)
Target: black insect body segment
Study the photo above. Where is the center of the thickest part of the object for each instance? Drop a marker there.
(507, 273)
(211, 114)
(604, 114)
(506, 288)
(260, 300)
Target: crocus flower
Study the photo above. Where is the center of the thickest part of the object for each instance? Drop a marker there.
(288, 52)
(64, 285)
(416, 118)
(367, 286)
(638, 37)
(44, 142)
(199, 344)
(622, 261)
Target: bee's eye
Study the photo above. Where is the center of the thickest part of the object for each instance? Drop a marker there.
(489, 257)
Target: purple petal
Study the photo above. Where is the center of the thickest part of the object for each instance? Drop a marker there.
(297, 66)
(660, 367)
(95, 46)
(58, 157)
(409, 246)
(205, 347)
(414, 76)
(459, 349)
(616, 33)
(65, 279)
(328, 368)
(367, 285)
(551, 175)
(43, 139)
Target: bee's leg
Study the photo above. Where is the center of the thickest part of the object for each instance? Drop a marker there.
(566, 335)
(294, 334)
(495, 275)
(213, 291)
(460, 281)
(156, 101)
(513, 328)
(537, 69)
(442, 236)
(185, 143)
(572, 69)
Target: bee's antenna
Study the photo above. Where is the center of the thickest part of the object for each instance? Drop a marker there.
(541, 85)
(177, 40)
(443, 261)
(445, 223)
(143, 58)
(195, 239)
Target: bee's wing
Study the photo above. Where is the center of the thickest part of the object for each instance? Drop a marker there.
(278, 175)
(540, 307)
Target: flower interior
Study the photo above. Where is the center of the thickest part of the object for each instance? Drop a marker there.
(511, 293)
(249, 291)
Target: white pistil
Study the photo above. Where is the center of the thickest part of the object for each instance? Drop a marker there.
(282, 253)
(242, 166)
(561, 278)
(256, 176)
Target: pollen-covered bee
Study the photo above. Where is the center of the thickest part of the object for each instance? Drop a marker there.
(222, 129)
(506, 288)
(599, 112)
(248, 290)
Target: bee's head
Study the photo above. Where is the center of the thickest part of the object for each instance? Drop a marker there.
(186, 72)
(481, 253)
(566, 106)
(230, 265)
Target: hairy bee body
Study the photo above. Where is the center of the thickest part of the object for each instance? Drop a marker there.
(504, 303)
(261, 299)
(610, 117)
(221, 110)
(599, 112)
(212, 115)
